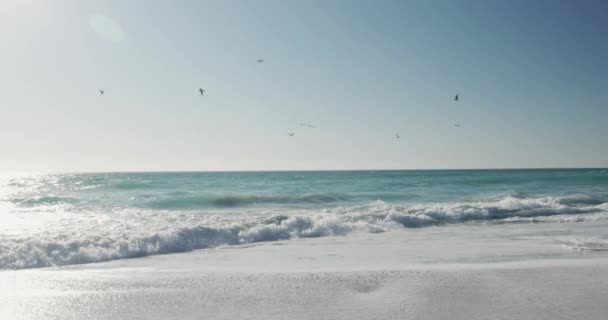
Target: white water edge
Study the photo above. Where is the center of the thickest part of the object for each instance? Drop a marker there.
(58, 238)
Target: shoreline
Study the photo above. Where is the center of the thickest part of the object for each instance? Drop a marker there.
(456, 272)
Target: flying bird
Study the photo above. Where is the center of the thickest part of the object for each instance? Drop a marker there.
(101, 92)
(201, 91)
(397, 136)
(457, 125)
(291, 133)
(456, 97)
(260, 60)
(307, 125)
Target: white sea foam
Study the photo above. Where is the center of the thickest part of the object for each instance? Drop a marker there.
(86, 236)
(588, 244)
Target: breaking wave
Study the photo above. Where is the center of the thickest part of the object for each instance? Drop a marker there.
(128, 233)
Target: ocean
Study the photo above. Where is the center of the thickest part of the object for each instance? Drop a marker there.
(63, 219)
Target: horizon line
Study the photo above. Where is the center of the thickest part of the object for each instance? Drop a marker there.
(307, 170)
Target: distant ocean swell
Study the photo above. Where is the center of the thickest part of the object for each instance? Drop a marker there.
(132, 233)
(206, 201)
(185, 201)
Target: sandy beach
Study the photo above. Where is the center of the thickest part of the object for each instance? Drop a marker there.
(483, 271)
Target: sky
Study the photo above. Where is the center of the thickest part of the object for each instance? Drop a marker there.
(532, 77)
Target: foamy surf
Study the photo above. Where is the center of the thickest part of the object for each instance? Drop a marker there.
(74, 237)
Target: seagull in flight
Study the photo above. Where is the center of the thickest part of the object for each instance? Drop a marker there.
(457, 125)
(291, 133)
(307, 125)
(201, 91)
(397, 136)
(101, 92)
(260, 60)
(456, 97)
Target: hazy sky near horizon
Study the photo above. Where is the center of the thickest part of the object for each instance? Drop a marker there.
(532, 77)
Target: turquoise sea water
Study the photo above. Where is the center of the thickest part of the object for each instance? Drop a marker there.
(57, 219)
(205, 190)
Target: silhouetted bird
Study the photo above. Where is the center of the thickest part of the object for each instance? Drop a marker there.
(101, 92)
(260, 60)
(397, 136)
(457, 125)
(307, 125)
(456, 97)
(291, 133)
(201, 91)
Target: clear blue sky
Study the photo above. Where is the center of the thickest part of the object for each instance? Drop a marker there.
(532, 75)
